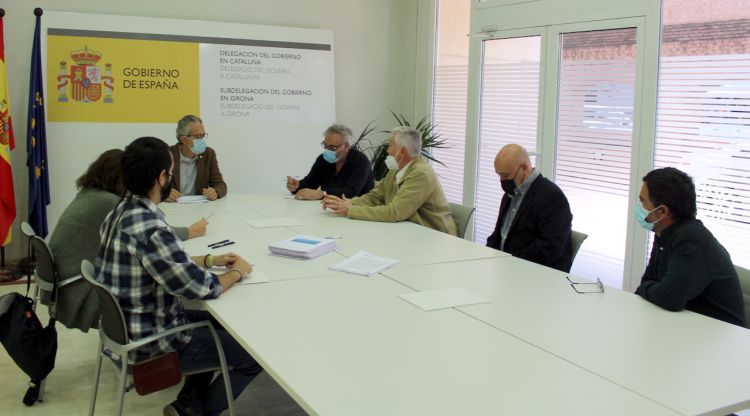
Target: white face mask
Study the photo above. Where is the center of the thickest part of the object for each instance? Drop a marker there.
(391, 163)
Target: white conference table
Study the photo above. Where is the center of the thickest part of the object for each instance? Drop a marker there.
(347, 345)
(252, 244)
(344, 344)
(686, 361)
(410, 243)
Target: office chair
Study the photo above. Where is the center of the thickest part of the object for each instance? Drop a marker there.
(462, 217)
(744, 275)
(45, 276)
(113, 336)
(578, 238)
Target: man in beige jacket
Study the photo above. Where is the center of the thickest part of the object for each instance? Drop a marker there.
(409, 192)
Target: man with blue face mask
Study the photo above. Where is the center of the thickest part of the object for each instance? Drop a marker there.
(196, 167)
(339, 170)
(688, 268)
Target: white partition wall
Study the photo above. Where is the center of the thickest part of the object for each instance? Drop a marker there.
(374, 66)
(259, 90)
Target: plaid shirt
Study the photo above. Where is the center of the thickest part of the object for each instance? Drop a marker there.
(147, 269)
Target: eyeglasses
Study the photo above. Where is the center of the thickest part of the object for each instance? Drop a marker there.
(331, 147)
(586, 287)
(198, 136)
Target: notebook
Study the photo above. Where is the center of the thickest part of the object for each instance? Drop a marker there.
(303, 247)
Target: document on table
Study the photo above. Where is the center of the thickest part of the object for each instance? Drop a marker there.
(256, 276)
(365, 264)
(443, 298)
(192, 199)
(273, 222)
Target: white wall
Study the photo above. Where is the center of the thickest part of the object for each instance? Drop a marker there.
(375, 43)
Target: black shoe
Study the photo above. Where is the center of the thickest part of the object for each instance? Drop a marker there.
(32, 394)
(176, 409)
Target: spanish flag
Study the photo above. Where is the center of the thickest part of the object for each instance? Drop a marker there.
(7, 143)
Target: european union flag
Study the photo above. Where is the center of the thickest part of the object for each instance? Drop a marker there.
(36, 144)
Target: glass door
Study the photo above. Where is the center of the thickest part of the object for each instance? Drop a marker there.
(509, 113)
(596, 90)
(572, 95)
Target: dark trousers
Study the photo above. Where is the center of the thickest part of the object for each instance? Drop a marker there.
(203, 393)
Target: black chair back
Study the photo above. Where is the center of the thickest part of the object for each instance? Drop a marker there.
(45, 263)
(112, 322)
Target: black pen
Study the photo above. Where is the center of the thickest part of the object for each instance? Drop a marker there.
(223, 245)
(218, 242)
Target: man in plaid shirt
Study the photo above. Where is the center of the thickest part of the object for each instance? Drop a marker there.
(143, 263)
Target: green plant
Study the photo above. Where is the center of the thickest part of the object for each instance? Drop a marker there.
(431, 139)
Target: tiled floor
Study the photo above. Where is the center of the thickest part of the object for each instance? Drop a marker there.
(69, 385)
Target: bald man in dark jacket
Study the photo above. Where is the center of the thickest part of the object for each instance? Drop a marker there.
(534, 222)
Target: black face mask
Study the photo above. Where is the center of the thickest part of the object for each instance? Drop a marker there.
(166, 189)
(509, 185)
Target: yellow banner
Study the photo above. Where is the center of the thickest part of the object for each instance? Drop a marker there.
(121, 80)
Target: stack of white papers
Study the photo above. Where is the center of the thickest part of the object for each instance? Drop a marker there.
(192, 199)
(364, 263)
(303, 247)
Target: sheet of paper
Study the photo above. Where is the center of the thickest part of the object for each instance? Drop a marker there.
(192, 199)
(364, 264)
(273, 222)
(443, 298)
(256, 276)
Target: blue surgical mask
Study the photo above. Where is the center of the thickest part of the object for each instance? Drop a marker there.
(641, 214)
(199, 146)
(329, 156)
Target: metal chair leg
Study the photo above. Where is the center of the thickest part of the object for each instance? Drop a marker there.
(123, 384)
(95, 389)
(224, 371)
(42, 386)
(37, 296)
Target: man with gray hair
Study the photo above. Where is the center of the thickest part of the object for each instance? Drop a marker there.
(340, 170)
(409, 192)
(196, 167)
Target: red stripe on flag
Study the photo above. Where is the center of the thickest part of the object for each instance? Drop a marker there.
(7, 200)
(2, 40)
